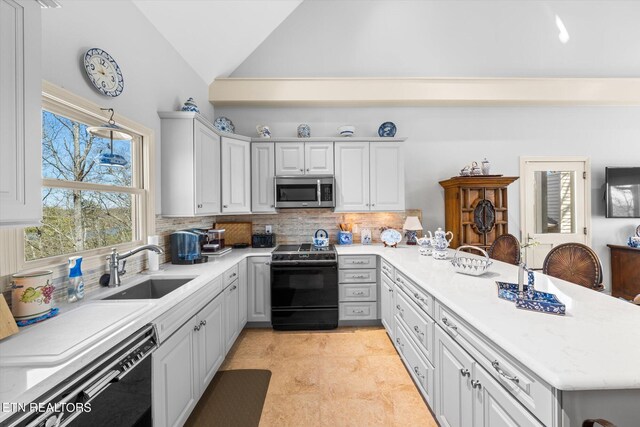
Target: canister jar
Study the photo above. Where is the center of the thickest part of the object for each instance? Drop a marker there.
(31, 294)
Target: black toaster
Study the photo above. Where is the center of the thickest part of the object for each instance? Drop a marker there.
(263, 240)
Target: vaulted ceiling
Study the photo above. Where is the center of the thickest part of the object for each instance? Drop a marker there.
(215, 36)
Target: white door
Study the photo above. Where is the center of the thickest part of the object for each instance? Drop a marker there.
(174, 384)
(242, 294)
(318, 158)
(352, 176)
(453, 396)
(387, 176)
(207, 170)
(231, 314)
(259, 289)
(262, 177)
(495, 407)
(555, 205)
(211, 345)
(386, 304)
(289, 158)
(236, 176)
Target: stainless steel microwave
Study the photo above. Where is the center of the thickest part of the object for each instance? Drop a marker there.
(305, 192)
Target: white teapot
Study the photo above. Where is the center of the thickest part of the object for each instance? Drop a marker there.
(441, 243)
(426, 244)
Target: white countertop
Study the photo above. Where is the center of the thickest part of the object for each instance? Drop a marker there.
(57, 348)
(595, 346)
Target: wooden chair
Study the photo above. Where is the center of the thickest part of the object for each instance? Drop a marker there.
(506, 248)
(591, 423)
(575, 263)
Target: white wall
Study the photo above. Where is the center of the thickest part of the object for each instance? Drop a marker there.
(156, 78)
(464, 38)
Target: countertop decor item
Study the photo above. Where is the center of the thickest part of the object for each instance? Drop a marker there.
(321, 239)
(543, 302)
(32, 294)
(304, 131)
(190, 105)
(103, 72)
(112, 132)
(235, 232)
(345, 237)
(387, 129)
(346, 130)
(54, 312)
(638, 231)
(441, 243)
(391, 237)
(412, 226)
(8, 325)
(634, 242)
(223, 124)
(365, 236)
(465, 171)
(468, 265)
(475, 169)
(426, 244)
(263, 131)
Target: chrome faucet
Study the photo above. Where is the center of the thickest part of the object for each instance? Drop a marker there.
(114, 262)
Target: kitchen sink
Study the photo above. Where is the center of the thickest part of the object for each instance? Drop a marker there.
(150, 289)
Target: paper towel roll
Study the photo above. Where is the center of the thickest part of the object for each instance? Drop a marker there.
(153, 258)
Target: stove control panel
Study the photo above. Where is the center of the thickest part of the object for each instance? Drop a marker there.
(304, 257)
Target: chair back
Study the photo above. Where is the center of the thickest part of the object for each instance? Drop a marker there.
(505, 248)
(575, 263)
(598, 421)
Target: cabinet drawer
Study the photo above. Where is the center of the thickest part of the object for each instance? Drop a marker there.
(421, 298)
(359, 261)
(387, 269)
(230, 275)
(419, 325)
(357, 292)
(172, 320)
(420, 369)
(358, 311)
(526, 387)
(357, 276)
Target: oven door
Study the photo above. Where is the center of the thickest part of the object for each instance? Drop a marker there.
(305, 192)
(304, 286)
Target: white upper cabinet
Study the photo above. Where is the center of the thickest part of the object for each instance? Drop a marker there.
(289, 158)
(20, 114)
(262, 177)
(369, 176)
(207, 176)
(304, 158)
(190, 165)
(387, 176)
(318, 158)
(352, 176)
(236, 175)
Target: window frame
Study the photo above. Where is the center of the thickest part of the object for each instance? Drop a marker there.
(62, 102)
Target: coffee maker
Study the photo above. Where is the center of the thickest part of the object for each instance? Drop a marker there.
(186, 247)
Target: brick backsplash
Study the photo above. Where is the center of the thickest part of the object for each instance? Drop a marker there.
(290, 226)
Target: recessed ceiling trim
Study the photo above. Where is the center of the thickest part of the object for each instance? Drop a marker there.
(415, 91)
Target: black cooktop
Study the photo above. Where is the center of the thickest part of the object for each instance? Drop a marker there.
(305, 252)
(304, 247)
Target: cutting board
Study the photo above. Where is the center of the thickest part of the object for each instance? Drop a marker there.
(7, 323)
(236, 232)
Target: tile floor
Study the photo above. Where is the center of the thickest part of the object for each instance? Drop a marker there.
(346, 377)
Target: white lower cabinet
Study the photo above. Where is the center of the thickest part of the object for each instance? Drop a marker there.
(185, 363)
(232, 318)
(386, 304)
(259, 289)
(466, 395)
(418, 366)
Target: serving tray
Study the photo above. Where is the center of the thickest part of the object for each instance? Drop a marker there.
(535, 301)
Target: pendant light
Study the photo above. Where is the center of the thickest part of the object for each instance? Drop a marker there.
(113, 132)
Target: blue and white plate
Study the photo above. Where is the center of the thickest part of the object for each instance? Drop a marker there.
(224, 125)
(387, 129)
(390, 237)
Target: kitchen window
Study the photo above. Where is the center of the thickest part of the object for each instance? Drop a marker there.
(88, 207)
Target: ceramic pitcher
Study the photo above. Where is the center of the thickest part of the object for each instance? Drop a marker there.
(426, 244)
(441, 243)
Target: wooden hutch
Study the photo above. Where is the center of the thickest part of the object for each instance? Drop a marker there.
(476, 209)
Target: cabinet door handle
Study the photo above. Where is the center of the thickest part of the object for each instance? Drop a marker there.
(391, 290)
(225, 206)
(307, 169)
(273, 206)
(233, 288)
(400, 344)
(267, 263)
(358, 311)
(465, 372)
(203, 322)
(301, 170)
(417, 331)
(417, 371)
(449, 325)
(358, 292)
(196, 328)
(496, 366)
(476, 384)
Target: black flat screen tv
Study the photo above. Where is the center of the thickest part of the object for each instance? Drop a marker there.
(623, 192)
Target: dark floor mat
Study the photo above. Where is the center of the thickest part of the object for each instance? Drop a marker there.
(233, 399)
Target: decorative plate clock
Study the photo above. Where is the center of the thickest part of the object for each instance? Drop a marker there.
(104, 72)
